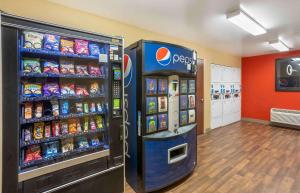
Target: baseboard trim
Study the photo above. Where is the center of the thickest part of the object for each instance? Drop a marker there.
(264, 122)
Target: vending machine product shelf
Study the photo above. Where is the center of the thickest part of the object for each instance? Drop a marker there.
(62, 109)
(160, 114)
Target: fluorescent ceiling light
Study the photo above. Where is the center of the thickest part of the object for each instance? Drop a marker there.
(247, 23)
(279, 45)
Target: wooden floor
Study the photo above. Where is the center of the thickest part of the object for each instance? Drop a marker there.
(245, 158)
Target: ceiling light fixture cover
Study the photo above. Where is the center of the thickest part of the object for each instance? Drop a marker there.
(279, 45)
(247, 23)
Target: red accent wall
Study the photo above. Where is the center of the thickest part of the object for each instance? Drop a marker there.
(258, 87)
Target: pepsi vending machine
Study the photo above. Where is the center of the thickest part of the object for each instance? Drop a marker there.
(160, 114)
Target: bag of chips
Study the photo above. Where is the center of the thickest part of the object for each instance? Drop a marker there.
(50, 149)
(67, 67)
(27, 134)
(86, 124)
(28, 110)
(93, 125)
(82, 142)
(82, 70)
(81, 91)
(55, 108)
(94, 70)
(94, 49)
(51, 42)
(86, 107)
(51, 67)
(51, 89)
(67, 89)
(99, 122)
(64, 105)
(79, 107)
(79, 128)
(32, 89)
(72, 126)
(66, 46)
(33, 40)
(33, 153)
(38, 131)
(92, 107)
(47, 130)
(64, 128)
(95, 141)
(55, 128)
(67, 145)
(81, 47)
(31, 65)
(94, 88)
(38, 112)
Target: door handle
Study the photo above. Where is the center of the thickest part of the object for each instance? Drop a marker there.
(202, 100)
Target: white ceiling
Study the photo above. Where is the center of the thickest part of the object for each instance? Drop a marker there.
(204, 21)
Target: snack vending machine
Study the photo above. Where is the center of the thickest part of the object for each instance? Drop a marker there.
(160, 114)
(62, 109)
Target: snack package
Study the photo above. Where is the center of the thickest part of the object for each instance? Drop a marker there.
(33, 40)
(81, 47)
(82, 70)
(99, 122)
(51, 67)
(67, 89)
(33, 153)
(28, 110)
(93, 124)
(50, 149)
(55, 108)
(66, 46)
(81, 90)
(94, 88)
(86, 107)
(64, 128)
(67, 145)
(51, 42)
(72, 126)
(55, 128)
(100, 107)
(27, 134)
(79, 107)
(51, 89)
(95, 141)
(64, 107)
(86, 124)
(82, 142)
(47, 130)
(79, 128)
(94, 49)
(32, 89)
(31, 65)
(94, 70)
(92, 107)
(38, 112)
(38, 130)
(67, 67)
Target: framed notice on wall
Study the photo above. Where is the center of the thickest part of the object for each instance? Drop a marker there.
(287, 74)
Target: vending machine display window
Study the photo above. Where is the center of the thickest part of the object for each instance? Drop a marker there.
(191, 101)
(162, 86)
(151, 86)
(183, 118)
(162, 121)
(183, 102)
(162, 104)
(192, 116)
(151, 123)
(151, 105)
(183, 86)
(192, 86)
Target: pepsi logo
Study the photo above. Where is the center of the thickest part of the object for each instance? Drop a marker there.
(163, 56)
(127, 70)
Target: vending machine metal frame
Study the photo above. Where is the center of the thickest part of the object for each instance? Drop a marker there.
(96, 171)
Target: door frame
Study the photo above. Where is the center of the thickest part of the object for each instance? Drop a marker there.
(200, 96)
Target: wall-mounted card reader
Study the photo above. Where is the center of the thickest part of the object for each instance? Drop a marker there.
(178, 153)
